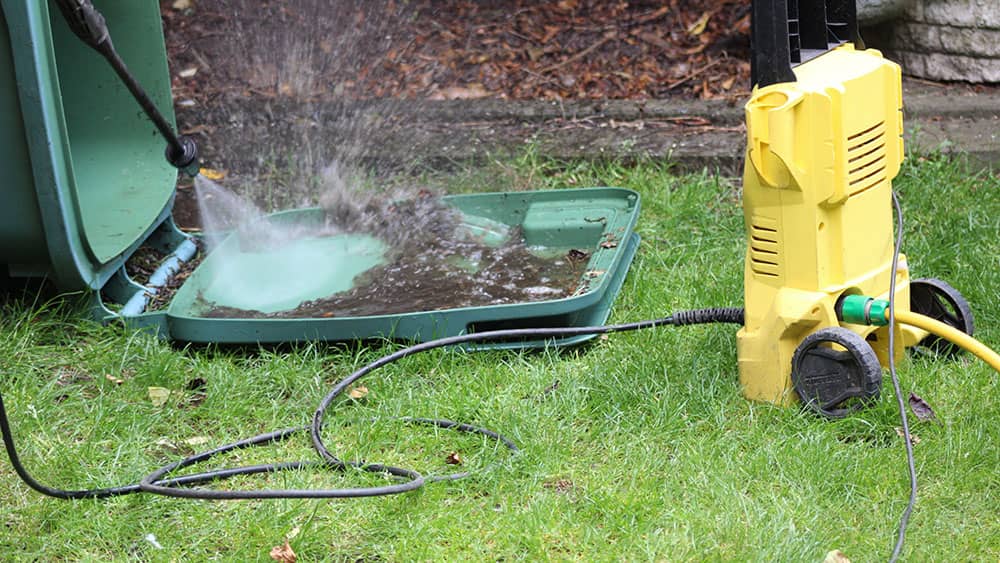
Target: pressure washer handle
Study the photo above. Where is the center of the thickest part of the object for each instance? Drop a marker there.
(85, 21)
(785, 33)
(89, 25)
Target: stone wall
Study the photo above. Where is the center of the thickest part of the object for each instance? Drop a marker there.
(943, 39)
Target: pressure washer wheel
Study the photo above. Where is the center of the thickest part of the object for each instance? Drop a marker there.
(835, 372)
(936, 299)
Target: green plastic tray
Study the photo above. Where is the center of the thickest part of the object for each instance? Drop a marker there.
(598, 221)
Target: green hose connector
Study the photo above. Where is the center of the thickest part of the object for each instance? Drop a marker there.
(862, 310)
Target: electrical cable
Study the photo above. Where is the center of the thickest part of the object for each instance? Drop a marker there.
(159, 482)
(910, 463)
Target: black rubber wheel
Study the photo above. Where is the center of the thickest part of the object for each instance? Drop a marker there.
(938, 300)
(835, 372)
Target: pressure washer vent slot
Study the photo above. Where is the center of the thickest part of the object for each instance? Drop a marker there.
(866, 159)
(765, 257)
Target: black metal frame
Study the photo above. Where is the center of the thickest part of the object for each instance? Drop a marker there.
(785, 33)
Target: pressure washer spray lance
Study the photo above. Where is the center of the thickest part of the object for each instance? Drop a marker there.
(88, 24)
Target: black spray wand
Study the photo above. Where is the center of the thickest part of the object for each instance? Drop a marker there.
(88, 24)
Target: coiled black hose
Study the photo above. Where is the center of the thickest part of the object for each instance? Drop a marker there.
(160, 482)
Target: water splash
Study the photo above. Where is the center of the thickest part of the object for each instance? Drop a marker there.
(299, 66)
(394, 216)
(370, 253)
(294, 136)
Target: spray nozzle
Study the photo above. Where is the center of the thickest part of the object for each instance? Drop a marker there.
(186, 159)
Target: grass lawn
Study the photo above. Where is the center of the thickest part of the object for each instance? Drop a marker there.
(635, 447)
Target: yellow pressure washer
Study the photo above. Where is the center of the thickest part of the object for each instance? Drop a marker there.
(824, 142)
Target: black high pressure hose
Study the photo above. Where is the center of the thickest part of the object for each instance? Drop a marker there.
(160, 481)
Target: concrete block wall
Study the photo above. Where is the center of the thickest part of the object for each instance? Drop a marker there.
(942, 39)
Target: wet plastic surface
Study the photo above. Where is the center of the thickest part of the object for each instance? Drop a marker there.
(593, 224)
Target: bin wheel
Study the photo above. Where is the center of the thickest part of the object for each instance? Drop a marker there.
(940, 301)
(835, 372)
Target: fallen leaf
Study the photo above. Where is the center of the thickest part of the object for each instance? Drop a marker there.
(158, 396)
(471, 92)
(113, 379)
(698, 27)
(283, 553)
(914, 439)
(188, 72)
(169, 446)
(212, 174)
(197, 441)
(359, 392)
(559, 485)
(181, 4)
(551, 388)
(836, 556)
(70, 376)
(609, 244)
(920, 408)
(453, 459)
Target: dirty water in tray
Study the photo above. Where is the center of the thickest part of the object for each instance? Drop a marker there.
(465, 268)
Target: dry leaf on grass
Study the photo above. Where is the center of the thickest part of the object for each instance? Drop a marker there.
(113, 379)
(836, 556)
(359, 392)
(914, 439)
(283, 553)
(559, 485)
(158, 395)
(453, 459)
(920, 408)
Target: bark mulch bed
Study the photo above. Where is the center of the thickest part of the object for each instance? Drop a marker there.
(448, 49)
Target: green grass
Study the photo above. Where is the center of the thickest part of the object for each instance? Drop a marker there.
(644, 451)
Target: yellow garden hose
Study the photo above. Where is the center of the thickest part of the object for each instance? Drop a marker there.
(950, 334)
